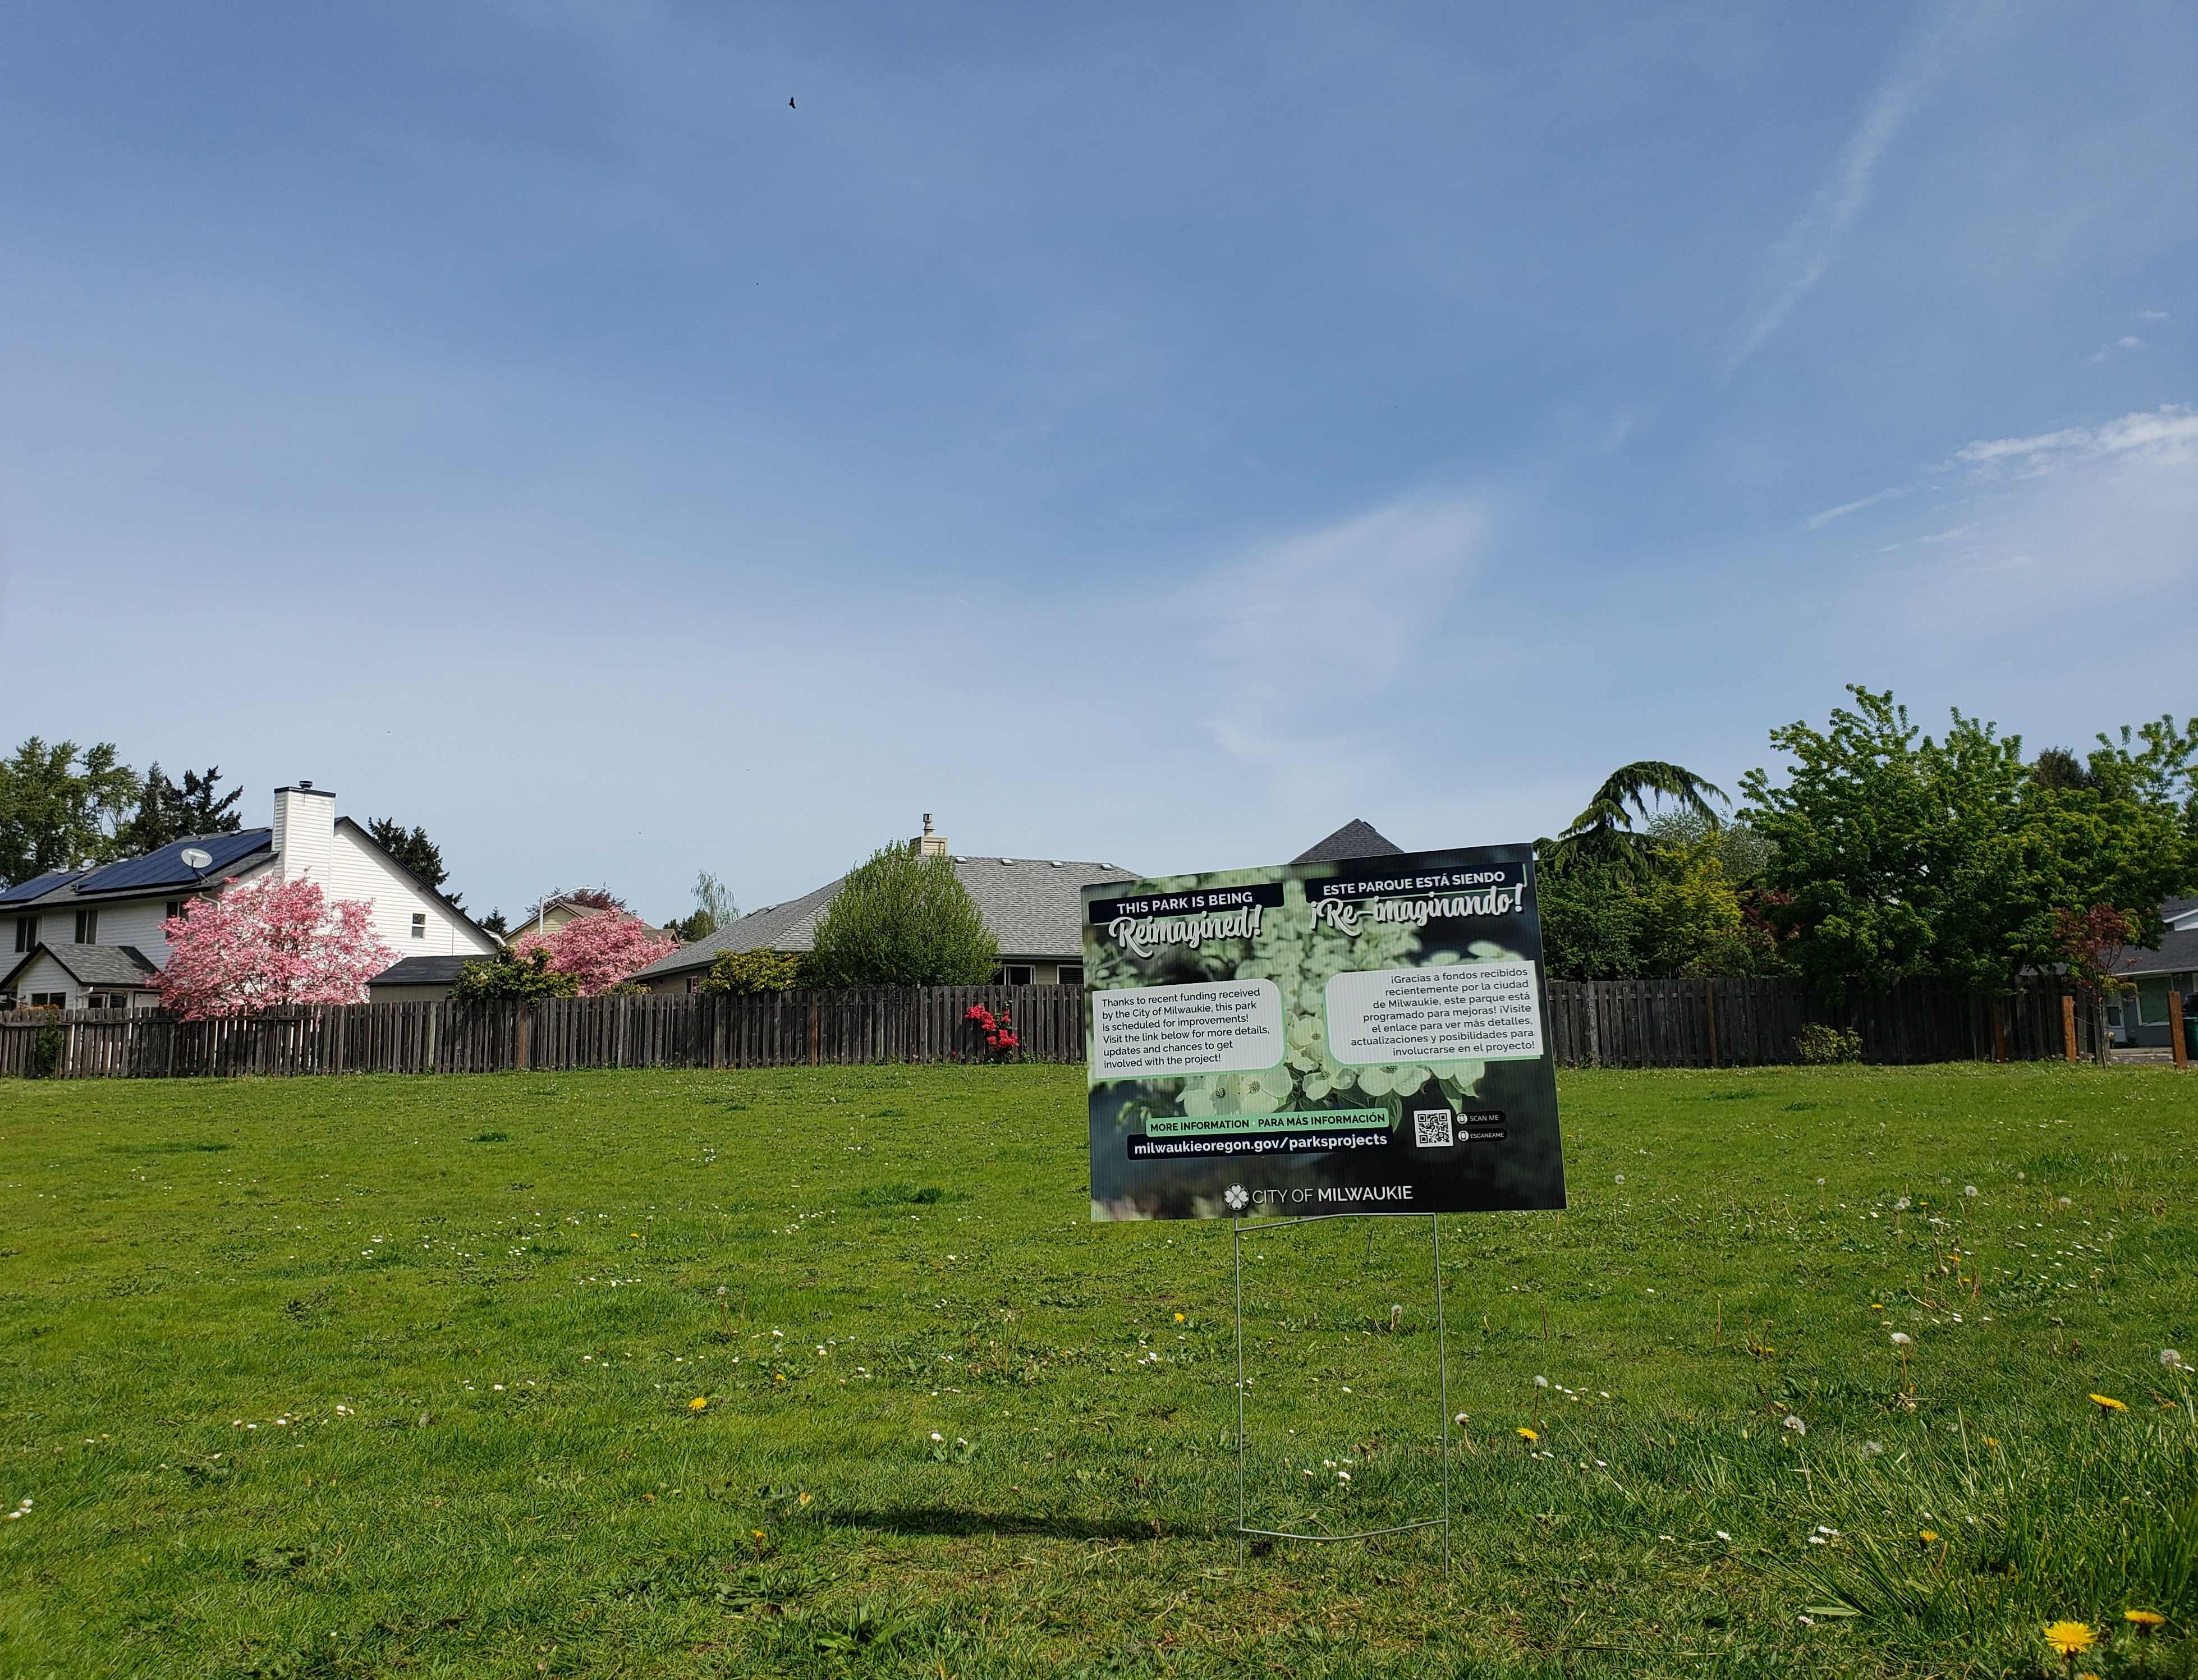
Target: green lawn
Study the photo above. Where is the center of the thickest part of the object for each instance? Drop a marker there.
(372, 1376)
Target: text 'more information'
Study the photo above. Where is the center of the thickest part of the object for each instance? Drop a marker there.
(1168, 1032)
(1462, 1012)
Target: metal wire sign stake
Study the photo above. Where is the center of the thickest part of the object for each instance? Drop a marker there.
(1244, 1531)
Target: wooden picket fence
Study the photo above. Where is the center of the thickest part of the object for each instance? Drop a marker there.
(1694, 1023)
(1742, 1023)
(785, 1029)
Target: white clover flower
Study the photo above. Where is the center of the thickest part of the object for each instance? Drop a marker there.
(936, 1436)
(1968, 1190)
(2065, 1203)
(1901, 1206)
(1794, 1423)
(1460, 1420)
(1902, 1338)
(1721, 1535)
(1621, 1178)
(1541, 1382)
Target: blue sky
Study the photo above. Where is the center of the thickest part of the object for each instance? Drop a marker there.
(1148, 434)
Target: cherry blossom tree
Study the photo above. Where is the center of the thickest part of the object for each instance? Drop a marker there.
(600, 950)
(262, 946)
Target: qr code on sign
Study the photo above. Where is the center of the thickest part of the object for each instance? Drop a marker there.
(1433, 1128)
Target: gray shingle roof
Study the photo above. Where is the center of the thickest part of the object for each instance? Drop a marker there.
(1355, 838)
(424, 971)
(93, 965)
(2177, 953)
(1034, 906)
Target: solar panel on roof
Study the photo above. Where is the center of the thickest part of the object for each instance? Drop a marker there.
(166, 867)
(37, 887)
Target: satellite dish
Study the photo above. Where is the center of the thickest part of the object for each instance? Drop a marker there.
(194, 859)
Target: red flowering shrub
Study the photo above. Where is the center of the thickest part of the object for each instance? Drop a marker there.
(998, 1032)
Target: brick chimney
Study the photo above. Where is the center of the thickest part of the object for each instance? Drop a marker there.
(927, 844)
(304, 834)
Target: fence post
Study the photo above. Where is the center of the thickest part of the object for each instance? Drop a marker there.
(2068, 1025)
(1999, 1030)
(1709, 1016)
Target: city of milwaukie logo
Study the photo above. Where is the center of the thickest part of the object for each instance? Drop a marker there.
(1237, 1197)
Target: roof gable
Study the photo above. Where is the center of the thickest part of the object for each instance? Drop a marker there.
(92, 965)
(1355, 838)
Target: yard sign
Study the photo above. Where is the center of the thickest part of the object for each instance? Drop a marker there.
(1366, 1036)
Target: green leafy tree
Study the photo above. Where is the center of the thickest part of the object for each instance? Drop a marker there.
(511, 974)
(744, 973)
(1604, 834)
(1900, 854)
(167, 813)
(903, 919)
(1591, 920)
(60, 809)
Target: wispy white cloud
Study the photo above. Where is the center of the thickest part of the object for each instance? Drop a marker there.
(1818, 522)
(2152, 315)
(2169, 432)
(2127, 341)
(1293, 623)
(1801, 258)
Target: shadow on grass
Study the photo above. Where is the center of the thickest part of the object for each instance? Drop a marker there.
(957, 1519)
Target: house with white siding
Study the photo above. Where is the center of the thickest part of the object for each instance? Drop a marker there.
(90, 939)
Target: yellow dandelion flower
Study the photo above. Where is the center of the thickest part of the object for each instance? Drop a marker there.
(697, 1404)
(758, 1532)
(2070, 1639)
(804, 1500)
(1929, 1537)
(1528, 1435)
(2107, 1403)
(1179, 1318)
(2144, 1621)
(781, 1377)
(1992, 1440)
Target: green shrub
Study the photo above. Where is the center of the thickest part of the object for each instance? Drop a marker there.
(1820, 1044)
(46, 1053)
(515, 974)
(744, 973)
(903, 919)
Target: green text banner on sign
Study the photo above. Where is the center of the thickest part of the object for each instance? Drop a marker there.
(1365, 1035)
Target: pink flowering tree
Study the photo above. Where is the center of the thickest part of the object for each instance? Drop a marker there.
(600, 950)
(262, 946)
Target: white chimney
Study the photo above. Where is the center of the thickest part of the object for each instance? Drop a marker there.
(927, 843)
(304, 834)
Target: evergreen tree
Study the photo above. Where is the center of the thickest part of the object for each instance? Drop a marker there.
(167, 813)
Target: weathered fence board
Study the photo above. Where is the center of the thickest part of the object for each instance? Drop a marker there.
(1686, 1023)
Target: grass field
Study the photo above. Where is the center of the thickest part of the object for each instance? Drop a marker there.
(378, 1375)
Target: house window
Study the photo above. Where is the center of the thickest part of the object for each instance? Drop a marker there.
(26, 932)
(1015, 973)
(50, 1000)
(87, 928)
(419, 924)
(175, 908)
(1071, 974)
(106, 1000)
